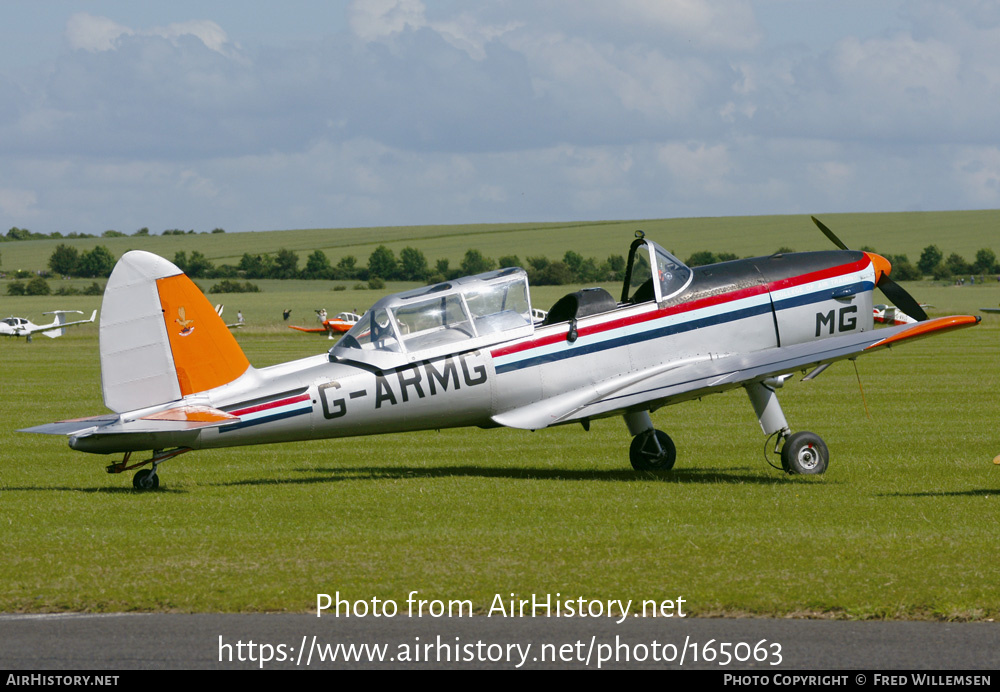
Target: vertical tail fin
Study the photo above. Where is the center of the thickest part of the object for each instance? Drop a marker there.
(59, 320)
(160, 337)
(60, 323)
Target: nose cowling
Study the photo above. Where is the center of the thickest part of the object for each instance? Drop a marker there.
(882, 266)
(893, 291)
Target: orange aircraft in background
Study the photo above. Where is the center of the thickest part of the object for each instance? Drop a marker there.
(339, 324)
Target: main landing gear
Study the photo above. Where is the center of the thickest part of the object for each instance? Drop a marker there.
(652, 449)
(146, 479)
(802, 452)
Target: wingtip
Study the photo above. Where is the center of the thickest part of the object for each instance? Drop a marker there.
(928, 327)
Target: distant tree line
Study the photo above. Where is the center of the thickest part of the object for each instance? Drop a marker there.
(16, 233)
(412, 265)
(38, 286)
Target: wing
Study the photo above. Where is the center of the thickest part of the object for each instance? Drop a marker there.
(54, 328)
(308, 329)
(691, 379)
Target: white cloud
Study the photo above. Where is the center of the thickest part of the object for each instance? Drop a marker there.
(898, 65)
(371, 20)
(502, 110)
(208, 32)
(99, 34)
(695, 163)
(94, 34)
(723, 25)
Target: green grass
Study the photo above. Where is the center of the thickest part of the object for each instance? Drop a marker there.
(908, 233)
(902, 525)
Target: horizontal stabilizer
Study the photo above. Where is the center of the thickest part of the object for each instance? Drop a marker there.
(179, 418)
(72, 427)
(146, 426)
(193, 414)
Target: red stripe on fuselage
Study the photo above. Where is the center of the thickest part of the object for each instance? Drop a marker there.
(270, 404)
(790, 282)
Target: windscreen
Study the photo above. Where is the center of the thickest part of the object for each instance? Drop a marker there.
(374, 331)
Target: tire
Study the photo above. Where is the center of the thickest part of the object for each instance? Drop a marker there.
(805, 453)
(645, 456)
(145, 480)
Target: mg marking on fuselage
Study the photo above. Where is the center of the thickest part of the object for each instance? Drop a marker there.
(842, 324)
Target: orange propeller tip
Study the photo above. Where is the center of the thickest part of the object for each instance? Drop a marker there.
(996, 460)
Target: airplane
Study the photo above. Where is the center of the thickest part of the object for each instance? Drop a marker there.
(341, 323)
(889, 314)
(467, 352)
(238, 324)
(20, 326)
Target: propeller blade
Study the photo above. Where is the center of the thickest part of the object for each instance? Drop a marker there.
(829, 234)
(896, 294)
(903, 301)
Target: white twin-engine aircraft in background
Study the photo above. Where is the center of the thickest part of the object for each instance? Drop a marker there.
(468, 353)
(20, 326)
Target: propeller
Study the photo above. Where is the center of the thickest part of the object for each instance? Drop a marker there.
(896, 294)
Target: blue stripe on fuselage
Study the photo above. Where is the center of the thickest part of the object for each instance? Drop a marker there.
(820, 296)
(265, 419)
(656, 333)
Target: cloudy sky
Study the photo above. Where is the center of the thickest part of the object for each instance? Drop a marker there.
(255, 115)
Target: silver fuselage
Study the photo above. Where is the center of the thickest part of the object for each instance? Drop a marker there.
(744, 306)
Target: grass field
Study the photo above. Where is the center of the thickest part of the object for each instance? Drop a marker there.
(963, 232)
(901, 526)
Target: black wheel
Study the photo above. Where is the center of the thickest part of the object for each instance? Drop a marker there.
(805, 453)
(652, 451)
(145, 480)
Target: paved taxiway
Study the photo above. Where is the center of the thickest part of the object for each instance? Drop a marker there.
(176, 641)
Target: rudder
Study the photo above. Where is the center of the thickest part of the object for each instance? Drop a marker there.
(160, 337)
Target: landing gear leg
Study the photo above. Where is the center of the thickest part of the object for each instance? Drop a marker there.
(803, 452)
(652, 449)
(146, 479)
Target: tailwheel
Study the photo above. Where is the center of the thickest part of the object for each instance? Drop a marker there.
(804, 453)
(146, 479)
(652, 450)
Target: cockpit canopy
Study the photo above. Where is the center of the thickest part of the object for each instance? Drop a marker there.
(485, 309)
(671, 275)
(465, 313)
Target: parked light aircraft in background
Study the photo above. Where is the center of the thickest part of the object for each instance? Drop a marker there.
(340, 324)
(889, 314)
(20, 326)
(219, 308)
(468, 353)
